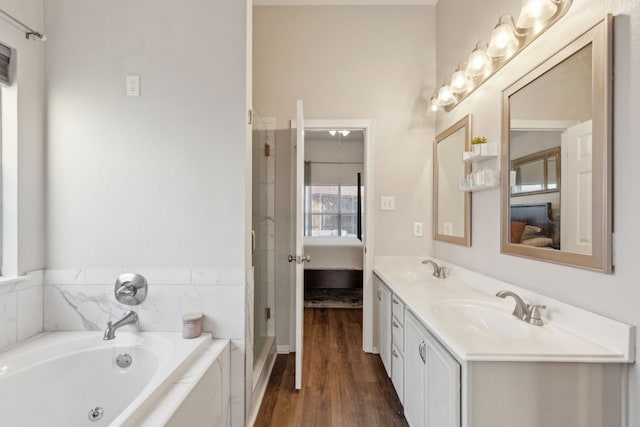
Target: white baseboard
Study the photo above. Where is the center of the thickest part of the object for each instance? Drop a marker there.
(283, 349)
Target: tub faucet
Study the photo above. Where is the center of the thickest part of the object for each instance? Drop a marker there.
(521, 311)
(439, 272)
(129, 317)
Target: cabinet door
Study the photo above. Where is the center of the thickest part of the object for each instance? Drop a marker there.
(414, 371)
(442, 407)
(385, 328)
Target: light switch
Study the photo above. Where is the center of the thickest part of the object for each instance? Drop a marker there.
(387, 203)
(133, 85)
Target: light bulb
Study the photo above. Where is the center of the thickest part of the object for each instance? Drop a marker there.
(459, 82)
(534, 12)
(445, 96)
(503, 41)
(345, 132)
(332, 132)
(479, 64)
(433, 104)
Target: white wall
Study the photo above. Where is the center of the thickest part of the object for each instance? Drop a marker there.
(354, 63)
(159, 183)
(22, 178)
(614, 295)
(23, 145)
(145, 181)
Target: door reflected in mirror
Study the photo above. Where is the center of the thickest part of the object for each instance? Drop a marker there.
(556, 148)
(451, 206)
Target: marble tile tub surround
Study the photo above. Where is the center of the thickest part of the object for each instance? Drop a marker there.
(21, 314)
(608, 332)
(82, 299)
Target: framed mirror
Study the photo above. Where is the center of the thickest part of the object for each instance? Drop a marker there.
(451, 207)
(557, 159)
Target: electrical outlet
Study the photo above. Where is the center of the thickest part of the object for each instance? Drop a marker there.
(133, 85)
(387, 203)
(417, 229)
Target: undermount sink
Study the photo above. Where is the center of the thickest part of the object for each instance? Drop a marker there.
(481, 319)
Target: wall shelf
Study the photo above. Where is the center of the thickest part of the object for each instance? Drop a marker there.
(484, 179)
(480, 152)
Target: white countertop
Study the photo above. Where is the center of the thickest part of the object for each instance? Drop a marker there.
(430, 299)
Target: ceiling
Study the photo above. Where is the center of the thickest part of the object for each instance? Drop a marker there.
(344, 2)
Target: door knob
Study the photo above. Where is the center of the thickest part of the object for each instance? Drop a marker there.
(291, 258)
(306, 258)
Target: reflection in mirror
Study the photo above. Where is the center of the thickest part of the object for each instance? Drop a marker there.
(556, 152)
(451, 207)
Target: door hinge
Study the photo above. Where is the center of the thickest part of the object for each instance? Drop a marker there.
(267, 150)
(250, 113)
(267, 313)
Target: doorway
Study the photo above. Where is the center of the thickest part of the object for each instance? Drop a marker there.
(342, 232)
(334, 217)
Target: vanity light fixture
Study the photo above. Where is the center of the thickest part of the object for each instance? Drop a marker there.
(508, 38)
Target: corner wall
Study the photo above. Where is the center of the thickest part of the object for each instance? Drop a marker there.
(615, 295)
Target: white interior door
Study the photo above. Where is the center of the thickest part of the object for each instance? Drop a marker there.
(576, 191)
(299, 257)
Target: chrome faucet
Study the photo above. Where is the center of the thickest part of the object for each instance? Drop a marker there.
(522, 309)
(129, 317)
(440, 272)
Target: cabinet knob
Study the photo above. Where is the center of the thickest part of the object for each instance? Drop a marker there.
(395, 324)
(395, 354)
(395, 301)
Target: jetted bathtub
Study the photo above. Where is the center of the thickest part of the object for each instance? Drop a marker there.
(69, 379)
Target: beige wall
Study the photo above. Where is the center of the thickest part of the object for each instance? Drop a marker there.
(354, 63)
(614, 295)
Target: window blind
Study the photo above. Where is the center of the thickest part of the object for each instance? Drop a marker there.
(5, 62)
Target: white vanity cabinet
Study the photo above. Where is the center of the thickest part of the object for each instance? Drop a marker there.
(383, 296)
(432, 380)
(397, 345)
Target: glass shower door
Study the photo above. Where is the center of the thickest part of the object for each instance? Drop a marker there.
(263, 212)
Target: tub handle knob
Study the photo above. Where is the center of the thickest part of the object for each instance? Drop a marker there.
(130, 289)
(127, 290)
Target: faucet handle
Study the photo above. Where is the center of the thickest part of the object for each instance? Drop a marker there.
(443, 272)
(534, 314)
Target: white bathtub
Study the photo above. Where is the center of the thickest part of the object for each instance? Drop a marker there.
(56, 378)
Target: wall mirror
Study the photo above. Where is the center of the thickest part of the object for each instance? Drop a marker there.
(556, 157)
(451, 207)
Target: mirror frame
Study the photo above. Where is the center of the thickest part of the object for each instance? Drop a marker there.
(465, 240)
(600, 37)
(544, 156)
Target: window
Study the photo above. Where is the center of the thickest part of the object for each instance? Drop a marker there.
(332, 210)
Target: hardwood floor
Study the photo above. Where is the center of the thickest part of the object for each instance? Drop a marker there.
(341, 384)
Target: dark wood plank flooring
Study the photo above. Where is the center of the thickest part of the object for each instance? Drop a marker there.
(341, 384)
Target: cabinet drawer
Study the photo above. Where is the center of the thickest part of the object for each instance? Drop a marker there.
(398, 334)
(397, 308)
(397, 372)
